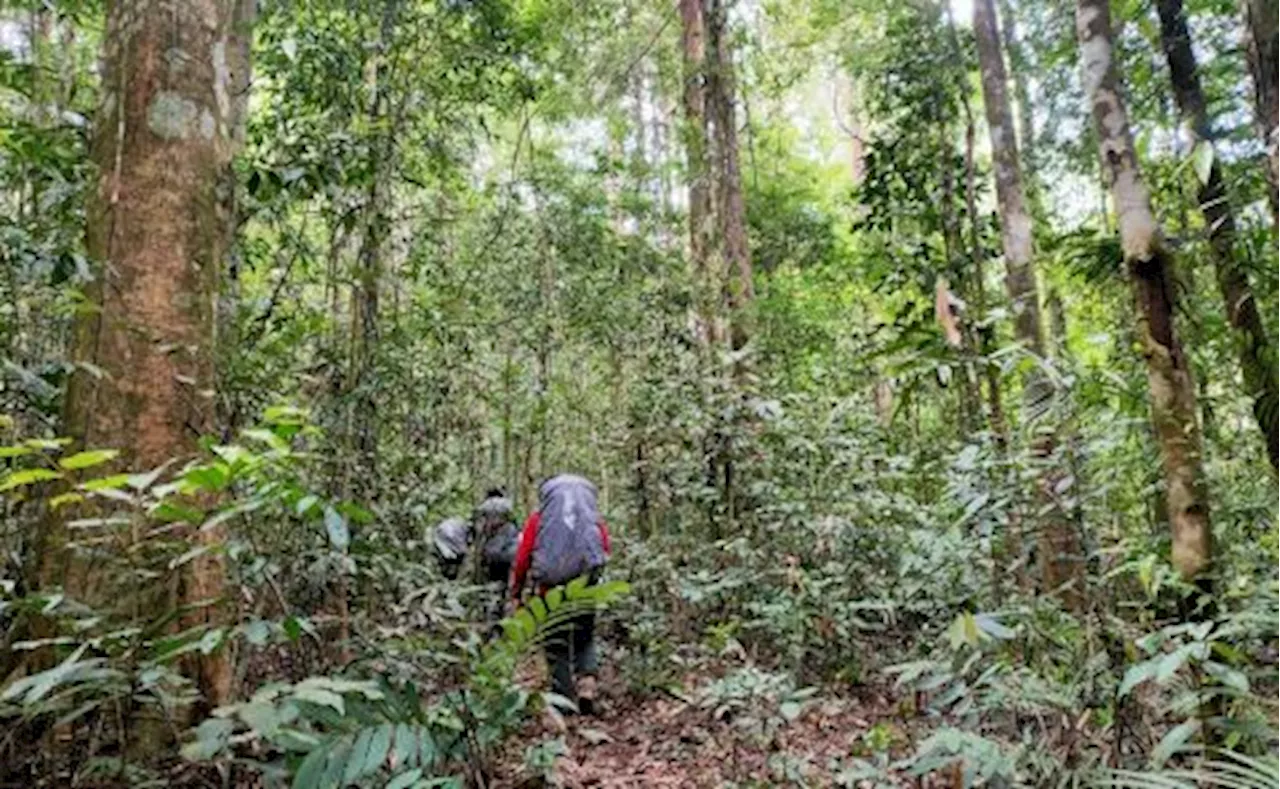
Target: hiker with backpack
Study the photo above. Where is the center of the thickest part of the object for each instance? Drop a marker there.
(565, 539)
(496, 535)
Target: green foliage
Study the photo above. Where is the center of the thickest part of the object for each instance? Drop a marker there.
(460, 248)
(332, 732)
(1227, 770)
(127, 652)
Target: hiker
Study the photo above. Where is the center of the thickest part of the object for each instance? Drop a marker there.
(565, 539)
(497, 535)
(452, 542)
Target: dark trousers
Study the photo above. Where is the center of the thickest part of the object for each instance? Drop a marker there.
(571, 652)
(571, 649)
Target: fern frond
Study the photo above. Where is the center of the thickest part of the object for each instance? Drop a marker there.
(1229, 771)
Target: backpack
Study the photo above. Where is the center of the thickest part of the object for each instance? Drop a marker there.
(568, 543)
(452, 539)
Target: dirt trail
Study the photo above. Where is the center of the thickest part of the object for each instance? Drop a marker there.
(663, 741)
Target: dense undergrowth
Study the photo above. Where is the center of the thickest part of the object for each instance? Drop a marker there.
(869, 531)
(873, 593)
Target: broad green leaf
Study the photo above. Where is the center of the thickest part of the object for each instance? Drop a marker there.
(1202, 160)
(63, 499)
(13, 452)
(358, 759)
(312, 768)
(322, 697)
(171, 511)
(427, 751)
(791, 710)
(210, 641)
(211, 737)
(1135, 676)
(379, 747)
(88, 458)
(404, 751)
(963, 630)
(27, 476)
(1173, 741)
(256, 632)
(112, 482)
(36, 686)
(1227, 676)
(267, 437)
(405, 780)
(261, 716)
(988, 625)
(539, 609)
(336, 767)
(1169, 664)
(525, 621)
(295, 626)
(213, 477)
(284, 414)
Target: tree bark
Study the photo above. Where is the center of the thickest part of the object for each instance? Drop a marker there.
(730, 209)
(1022, 95)
(1257, 351)
(159, 226)
(1059, 551)
(694, 134)
(1150, 267)
(1262, 44)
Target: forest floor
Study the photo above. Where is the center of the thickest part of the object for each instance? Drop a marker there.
(676, 740)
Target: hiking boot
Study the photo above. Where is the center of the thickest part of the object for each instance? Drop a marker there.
(587, 695)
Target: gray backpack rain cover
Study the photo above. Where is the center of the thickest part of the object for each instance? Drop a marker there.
(568, 543)
(451, 538)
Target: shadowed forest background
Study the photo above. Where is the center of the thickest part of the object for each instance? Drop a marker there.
(924, 357)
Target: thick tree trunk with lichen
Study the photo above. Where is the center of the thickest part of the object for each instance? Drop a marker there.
(694, 137)
(1257, 351)
(1262, 44)
(732, 256)
(158, 228)
(1058, 549)
(1150, 266)
(731, 211)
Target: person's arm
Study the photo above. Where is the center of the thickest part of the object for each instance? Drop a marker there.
(604, 536)
(524, 554)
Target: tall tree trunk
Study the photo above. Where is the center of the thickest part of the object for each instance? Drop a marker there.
(159, 225)
(1059, 550)
(1022, 95)
(1257, 351)
(734, 257)
(730, 209)
(1262, 43)
(1150, 266)
(694, 135)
